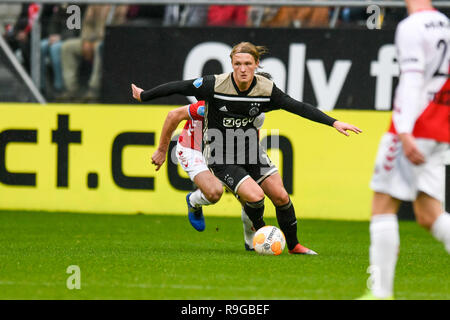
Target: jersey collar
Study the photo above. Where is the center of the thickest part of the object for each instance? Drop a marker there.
(246, 92)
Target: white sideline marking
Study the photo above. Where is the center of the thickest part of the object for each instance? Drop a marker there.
(199, 287)
(128, 285)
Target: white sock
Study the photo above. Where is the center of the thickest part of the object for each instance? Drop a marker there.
(247, 225)
(441, 230)
(198, 199)
(384, 247)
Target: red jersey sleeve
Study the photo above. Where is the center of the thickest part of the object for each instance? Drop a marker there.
(197, 110)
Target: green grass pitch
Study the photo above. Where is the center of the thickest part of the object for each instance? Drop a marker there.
(163, 257)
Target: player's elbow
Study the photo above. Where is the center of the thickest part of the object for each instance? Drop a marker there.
(177, 115)
(172, 115)
(173, 118)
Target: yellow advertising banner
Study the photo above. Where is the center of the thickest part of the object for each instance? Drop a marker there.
(96, 159)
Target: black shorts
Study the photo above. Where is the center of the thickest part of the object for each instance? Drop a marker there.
(232, 175)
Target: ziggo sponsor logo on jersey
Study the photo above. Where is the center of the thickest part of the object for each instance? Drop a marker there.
(237, 123)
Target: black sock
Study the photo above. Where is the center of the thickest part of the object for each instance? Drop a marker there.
(255, 211)
(288, 223)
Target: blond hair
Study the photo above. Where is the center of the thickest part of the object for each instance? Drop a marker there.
(250, 48)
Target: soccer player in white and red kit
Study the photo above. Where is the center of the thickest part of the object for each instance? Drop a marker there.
(189, 146)
(410, 164)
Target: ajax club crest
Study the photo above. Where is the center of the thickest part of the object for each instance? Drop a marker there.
(254, 109)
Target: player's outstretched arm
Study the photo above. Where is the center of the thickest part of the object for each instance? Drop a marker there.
(309, 112)
(183, 87)
(173, 118)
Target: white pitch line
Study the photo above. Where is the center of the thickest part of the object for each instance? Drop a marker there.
(197, 287)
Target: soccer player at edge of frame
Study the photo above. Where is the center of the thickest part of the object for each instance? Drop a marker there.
(243, 95)
(189, 155)
(410, 165)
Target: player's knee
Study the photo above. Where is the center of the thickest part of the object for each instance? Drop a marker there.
(280, 198)
(256, 196)
(214, 194)
(426, 215)
(424, 220)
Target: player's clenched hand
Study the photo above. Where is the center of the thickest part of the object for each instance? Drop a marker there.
(136, 92)
(342, 127)
(410, 149)
(158, 158)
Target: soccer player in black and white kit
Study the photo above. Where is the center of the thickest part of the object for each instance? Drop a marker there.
(189, 155)
(233, 100)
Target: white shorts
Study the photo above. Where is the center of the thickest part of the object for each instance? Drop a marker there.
(192, 161)
(395, 175)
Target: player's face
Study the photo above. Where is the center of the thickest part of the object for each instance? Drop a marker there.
(244, 66)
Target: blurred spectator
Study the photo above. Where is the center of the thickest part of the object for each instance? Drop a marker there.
(145, 15)
(8, 16)
(312, 17)
(186, 16)
(18, 36)
(258, 16)
(353, 16)
(54, 32)
(227, 16)
(304, 17)
(88, 47)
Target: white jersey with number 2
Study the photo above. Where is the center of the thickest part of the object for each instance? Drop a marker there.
(421, 108)
(422, 98)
